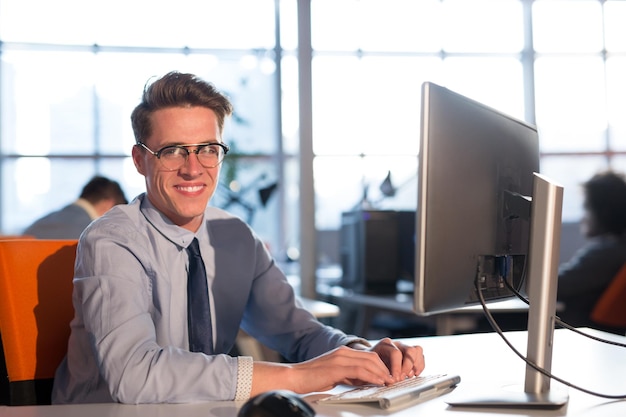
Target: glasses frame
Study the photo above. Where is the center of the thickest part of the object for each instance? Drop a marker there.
(198, 146)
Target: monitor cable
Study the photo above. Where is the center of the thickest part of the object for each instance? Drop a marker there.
(563, 324)
(536, 367)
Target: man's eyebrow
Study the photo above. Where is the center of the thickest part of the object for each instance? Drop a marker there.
(210, 142)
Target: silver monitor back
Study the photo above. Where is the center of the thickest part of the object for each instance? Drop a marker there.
(476, 165)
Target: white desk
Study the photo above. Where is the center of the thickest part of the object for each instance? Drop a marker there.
(320, 309)
(482, 360)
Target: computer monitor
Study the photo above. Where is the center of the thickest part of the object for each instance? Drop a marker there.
(485, 218)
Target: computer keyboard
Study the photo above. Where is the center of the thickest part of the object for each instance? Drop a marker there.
(409, 391)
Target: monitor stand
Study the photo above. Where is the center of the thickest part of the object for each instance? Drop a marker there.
(541, 286)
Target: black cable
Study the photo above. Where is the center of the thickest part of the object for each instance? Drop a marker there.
(536, 367)
(564, 324)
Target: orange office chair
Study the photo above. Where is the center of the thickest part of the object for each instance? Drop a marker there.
(35, 312)
(610, 309)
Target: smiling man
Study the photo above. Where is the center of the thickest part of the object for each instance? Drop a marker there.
(178, 185)
(143, 332)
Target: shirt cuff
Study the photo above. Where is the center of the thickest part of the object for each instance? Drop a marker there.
(245, 365)
(359, 340)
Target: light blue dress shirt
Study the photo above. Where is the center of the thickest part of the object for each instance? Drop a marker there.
(128, 339)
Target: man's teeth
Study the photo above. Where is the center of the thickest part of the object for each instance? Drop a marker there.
(191, 189)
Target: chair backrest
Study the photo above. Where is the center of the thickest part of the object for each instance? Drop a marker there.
(35, 312)
(610, 309)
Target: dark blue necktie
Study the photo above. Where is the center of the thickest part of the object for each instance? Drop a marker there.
(198, 308)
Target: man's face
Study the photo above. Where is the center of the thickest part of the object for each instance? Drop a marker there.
(589, 224)
(183, 194)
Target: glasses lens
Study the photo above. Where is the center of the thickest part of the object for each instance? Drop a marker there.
(173, 157)
(210, 155)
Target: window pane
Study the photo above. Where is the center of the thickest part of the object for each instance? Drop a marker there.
(289, 24)
(197, 24)
(421, 26)
(496, 82)
(567, 26)
(32, 187)
(51, 110)
(290, 102)
(618, 163)
(482, 26)
(359, 176)
(399, 25)
(371, 25)
(358, 111)
(616, 98)
(239, 192)
(349, 25)
(570, 103)
(61, 99)
(252, 129)
(335, 24)
(614, 18)
(121, 78)
(291, 190)
(51, 21)
(37, 186)
(120, 82)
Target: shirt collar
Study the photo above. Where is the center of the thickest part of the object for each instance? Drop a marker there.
(178, 235)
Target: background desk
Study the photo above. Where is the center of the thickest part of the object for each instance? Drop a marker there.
(483, 361)
(365, 307)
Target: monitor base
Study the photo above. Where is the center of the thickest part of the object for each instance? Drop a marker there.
(510, 398)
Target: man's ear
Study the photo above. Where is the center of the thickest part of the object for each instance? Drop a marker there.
(138, 160)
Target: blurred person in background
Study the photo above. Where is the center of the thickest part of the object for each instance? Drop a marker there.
(583, 278)
(98, 196)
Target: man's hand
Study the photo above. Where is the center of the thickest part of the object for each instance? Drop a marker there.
(403, 361)
(384, 363)
(343, 365)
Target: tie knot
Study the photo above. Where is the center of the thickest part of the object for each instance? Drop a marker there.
(194, 247)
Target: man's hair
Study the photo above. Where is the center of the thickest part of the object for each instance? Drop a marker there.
(100, 188)
(605, 197)
(177, 89)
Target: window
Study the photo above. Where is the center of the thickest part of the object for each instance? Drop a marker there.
(370, 58)
(70, 80)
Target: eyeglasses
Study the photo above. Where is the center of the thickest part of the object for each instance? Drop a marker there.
(173, 157)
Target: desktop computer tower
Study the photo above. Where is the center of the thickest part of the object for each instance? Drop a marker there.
(373, 249)
(406, 246)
